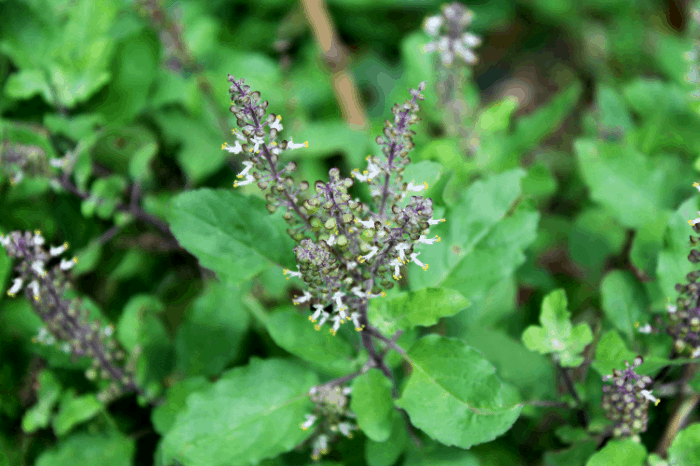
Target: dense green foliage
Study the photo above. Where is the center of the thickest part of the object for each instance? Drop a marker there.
(562, 161)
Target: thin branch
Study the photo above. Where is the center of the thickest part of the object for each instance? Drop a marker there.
(345, 89)
(389, 342)
(582, 414)
(680, 415)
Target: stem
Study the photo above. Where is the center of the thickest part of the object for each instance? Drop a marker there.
(582, 414)
(368, 344)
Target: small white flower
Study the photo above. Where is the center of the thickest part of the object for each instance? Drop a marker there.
(331, 240)
(4, 240)
(38, 267)
(355, 317)
(647, 394)
(433, 221)
(414, 258)
(68, 264)
(416, 187)
(365, 223)
(694, 221)
(397, 265)
(291, 145)
(65, 347)
(34, 285)
(319, 311)
(19, 176)
(696, 353)
(351, 265)
(296, 274)
(324, 318)
(424, 240)
(57, 250)
(432, 25)
(257, 141)
(109, 330)
(248, 165)
(234, 149)
(558, 344)
(248, 179)
(58, 163)
(16, 286)
(471, 40)
(672, 308)
(372, 252)
(277, 124)
(347, 390)
(310, 419)
(465, 53)
(644, 328)
(401, 248)
(346, 428)
(336, 324)
(38, 239)
(337, 297)
(303, 298)
(357, 291)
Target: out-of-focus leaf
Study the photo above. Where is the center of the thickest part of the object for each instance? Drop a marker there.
(39, 415)
(371, 401)
(685, 449)
(74, 410)
(105, 449)
(619, 452)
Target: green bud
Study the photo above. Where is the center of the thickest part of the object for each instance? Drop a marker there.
(348, 217)
(330, 224)
(342, 241)
(315, 223)
(364, 247)
(271, 208)
(368, 234)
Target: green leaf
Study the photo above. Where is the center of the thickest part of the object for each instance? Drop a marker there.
(624, 300)
(611, 353)
(252, 413)
(612, 111)
(620, 453)
(632, 187)
(685, 449)
(164, 416)
(595, 236)
(424, 307)
(557, 334)
(229, 233)
(673, 263)
(386, 453)
(293, 332)
(453, 394)
(38, 416)
(373, 404)
(574, 456)
(106, 449)
(212, 333)
(74, 410)
(496, 117)
(647, 243)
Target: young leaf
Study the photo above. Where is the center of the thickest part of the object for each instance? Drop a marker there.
(74, 410)
(454, 395)
(557, 334)
(372, 403)
(624, 300)
(620, 453)
(685, 449)
(105, 449)
(252, 413)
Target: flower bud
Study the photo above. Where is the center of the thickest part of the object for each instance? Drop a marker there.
(319, 186)
(330, 224)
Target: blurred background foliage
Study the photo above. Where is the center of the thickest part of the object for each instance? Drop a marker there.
(588, 97)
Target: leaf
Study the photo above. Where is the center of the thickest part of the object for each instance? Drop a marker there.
(557, 334)
(673, 264)
(620, 453)
(453, 394)
(612, 111)
(574, 456)
(633, 188)
(293, 332)
(623, 300)
(106, 449)
(386, 453)
(229, 233)
(252, 413)
(594, 237)
(685, 449)
(373, 404)
(424, 307)
(164, 415)
(611, 353)
(212, 333)
(38, 416)
(74, 410)
(647, 243)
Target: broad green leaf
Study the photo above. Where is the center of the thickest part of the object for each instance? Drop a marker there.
(595, 236)
(212, 333)
(293, 332)
(424, 307)
(496, 117)
(574, 456)
(539, 184)
(229, 233)
(252, 413)
(38, 416)
(74, 410)
(105, 449)
(163, 416)
(611, 353)
(557, 334)
(648, 242)
(620, 453)
(632, 187)
(673, 263)
(685, 449)
(612, 110)
(373, 404)
(454, 395)
(624, 300)
(531, 372)
(386, 453)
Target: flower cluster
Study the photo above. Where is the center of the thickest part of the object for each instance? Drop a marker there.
(346, 254)
(626, 402)
(42, 276)
(448, 29)
(330, 416)
(20, 160)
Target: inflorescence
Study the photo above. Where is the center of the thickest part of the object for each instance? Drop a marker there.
(451, 40)
(346, 254)
(42, 277)
(331, 415)
(626, 402)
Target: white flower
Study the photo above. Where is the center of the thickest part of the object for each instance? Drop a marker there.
(248, 179)
(38, 239)
(292, 274)
(58, 163)
(644, 328)
(109, 330)
(57, 250)
(696, 353)
(357, 291)
(257, 141)
(4, 240)
(16, 286)
(365, 223)
(310, 419)
(424, 240)
(19, 176)
(331, 240)
(396, 264)
(696, 185)
(338, 302)
(38, 267)
(355, 317)
(432, 25)
(414, 258)
(372, 252)
(372, 171)
(303, 298)
(34, 285)
(695, 221)
(248, 165)
(416, 187)
(319, 311)
(672, 308)
(401, 247)
(471, 40)
(235, 149)
(291, 145)
(647, 394)
(68, 264)
(336, 324)
(277, 123)
(345, 428)
(433, 221)
(347, 390)
(351, 265)
(324, 318)
(465, 53)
